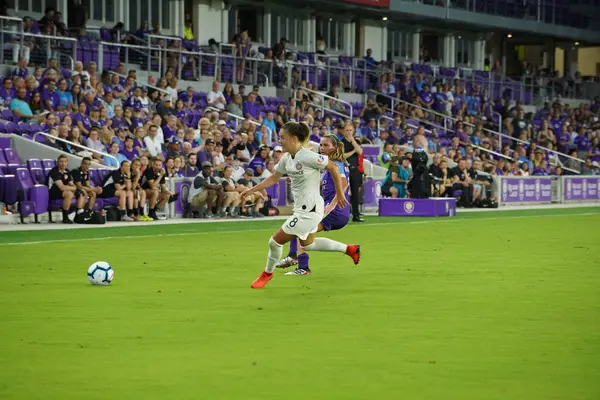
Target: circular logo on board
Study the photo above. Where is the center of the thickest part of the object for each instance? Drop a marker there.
(409, 207)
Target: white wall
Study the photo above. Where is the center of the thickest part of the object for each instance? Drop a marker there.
(373, 35)
(210, 21)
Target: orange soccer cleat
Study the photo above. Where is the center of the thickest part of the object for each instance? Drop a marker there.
(353, 250)
(262, 280)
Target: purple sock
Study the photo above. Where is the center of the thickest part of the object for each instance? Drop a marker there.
(303, 261)
(293, 248)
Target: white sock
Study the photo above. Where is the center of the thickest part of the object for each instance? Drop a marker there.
(275, 252)
(324, 244)
(79, 211)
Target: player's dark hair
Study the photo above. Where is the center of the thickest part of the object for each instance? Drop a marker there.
(84, 159)
(338, 153)
(61, 157)
(298, 129)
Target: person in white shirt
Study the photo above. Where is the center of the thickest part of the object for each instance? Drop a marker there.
(238, 170)
(215, 97)
(303, 168)
(152, 142)
(269, 169)
(172, 89)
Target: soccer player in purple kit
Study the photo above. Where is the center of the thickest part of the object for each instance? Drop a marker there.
(335, 218)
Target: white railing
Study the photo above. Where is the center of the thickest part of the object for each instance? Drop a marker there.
(163, 91)
(238, 118)
(326, 96)
(54, 138)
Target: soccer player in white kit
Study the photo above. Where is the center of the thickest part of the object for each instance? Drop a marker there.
(303, 168)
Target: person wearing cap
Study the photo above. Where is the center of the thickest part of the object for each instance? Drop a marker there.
(205, 192)
(95, 119)
(258, 198)
(277, 154)
(205, 155)
(174, 147)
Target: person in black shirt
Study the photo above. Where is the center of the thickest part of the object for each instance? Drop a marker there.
(461, 180)
(60, 184)
(258, 198)
(155, 185)
(81, 178)
(206, 191)
(351, 152)
(118, 184)
(139, 195)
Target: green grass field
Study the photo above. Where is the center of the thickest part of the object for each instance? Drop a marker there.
(487, 306)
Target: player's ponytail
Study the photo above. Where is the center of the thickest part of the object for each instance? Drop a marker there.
(338, 153)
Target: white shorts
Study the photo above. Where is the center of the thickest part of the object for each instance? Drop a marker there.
(303, 224)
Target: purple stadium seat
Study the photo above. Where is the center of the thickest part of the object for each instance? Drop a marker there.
(10, 189)
(3, 163)
(34, 163)
(38, 176)
(12, 160)
(47, 165)
(1, 185)
(23, 127)
(7, 115)
(30, 195)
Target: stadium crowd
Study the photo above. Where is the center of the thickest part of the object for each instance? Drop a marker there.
(137, 128)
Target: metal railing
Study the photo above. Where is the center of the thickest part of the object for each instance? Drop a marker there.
(52, 43)
(143, 51)
(326, 96)
(140, 83)
(80, 146)
(238, 118)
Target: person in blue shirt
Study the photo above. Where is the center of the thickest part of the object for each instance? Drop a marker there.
(371, 63)
(397, 179)
(19, 106)
(114, 151)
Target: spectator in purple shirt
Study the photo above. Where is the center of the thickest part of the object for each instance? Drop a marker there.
(425, 97)
(128, 150)
(170, 129)
(583, 143)
(21, 70)
(258, 163)
(82, 120)
(206, 154)
(251, 107)
(50, 97)
(191, 169)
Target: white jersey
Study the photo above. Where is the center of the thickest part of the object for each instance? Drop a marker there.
(304, 170)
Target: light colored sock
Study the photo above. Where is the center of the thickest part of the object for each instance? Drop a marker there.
(79, 211)
(324, 244)
(275, 252)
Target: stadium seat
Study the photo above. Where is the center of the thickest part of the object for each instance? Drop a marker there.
(47, 165)
(34, 163)
(11, 159)
(29, 194)
(37, 174)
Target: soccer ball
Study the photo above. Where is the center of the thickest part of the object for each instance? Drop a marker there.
(100, 273)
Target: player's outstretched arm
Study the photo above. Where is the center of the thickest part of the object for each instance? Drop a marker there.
(339, 184)
(267, 183)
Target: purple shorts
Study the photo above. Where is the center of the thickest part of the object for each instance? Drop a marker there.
(335, 220)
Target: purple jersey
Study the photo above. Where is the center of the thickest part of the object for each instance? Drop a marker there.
(338, 217)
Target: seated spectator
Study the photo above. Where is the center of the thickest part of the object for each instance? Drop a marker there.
(154, 183)
(152, 142)
(232, 198)
(251, 108)
(129, 151)
(218, 157)
(269, 169)
(139, 194)
(228, 93)
(461, 180)
(61, 186)
(215, 97)
(205, 192)
(191, 169)
(114, 152)
(118, 184)
(397, 179)
(258, 198)
(258, 162)
(7, 92)
(170, 168)
(206, 155)
(86, 188)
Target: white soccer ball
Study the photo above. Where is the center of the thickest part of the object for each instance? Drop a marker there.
(100, 273)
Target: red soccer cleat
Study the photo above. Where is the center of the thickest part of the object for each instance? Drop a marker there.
(353, 250)
(262, 280)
